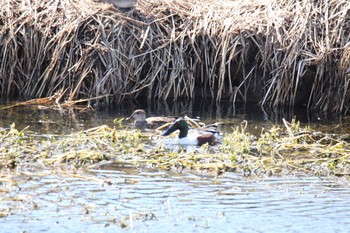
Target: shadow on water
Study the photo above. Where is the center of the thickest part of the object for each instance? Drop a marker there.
(47, 121)
(212, 111)
(119, 198)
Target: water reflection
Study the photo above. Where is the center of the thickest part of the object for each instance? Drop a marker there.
(48, 121)
(117, 198)
(157, 201)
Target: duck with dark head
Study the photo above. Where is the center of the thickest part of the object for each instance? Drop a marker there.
(198, 136)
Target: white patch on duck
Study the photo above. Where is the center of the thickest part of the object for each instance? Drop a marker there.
(196, 137)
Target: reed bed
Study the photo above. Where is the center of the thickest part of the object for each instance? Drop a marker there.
(287, 150)
(273, 52)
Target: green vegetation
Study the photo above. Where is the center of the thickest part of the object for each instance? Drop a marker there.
(286, 150)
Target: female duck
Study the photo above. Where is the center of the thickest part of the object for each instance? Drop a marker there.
(198, 137)
(140, 120)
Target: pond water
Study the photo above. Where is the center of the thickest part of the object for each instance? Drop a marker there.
(125, 199)
(45, 120)
(121, 199)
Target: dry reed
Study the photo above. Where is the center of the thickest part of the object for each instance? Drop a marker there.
(273, 52)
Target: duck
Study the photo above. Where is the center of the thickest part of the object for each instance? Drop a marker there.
(196, 137)
(141, 121)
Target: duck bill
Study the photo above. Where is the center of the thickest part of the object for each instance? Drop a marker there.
(130, 117)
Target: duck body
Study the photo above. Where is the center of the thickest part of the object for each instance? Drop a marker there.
(140, 120)
(196, 137)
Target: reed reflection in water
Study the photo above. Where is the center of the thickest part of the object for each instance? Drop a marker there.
(49, 121)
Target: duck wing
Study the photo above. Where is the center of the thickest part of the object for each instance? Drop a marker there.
(213, 129)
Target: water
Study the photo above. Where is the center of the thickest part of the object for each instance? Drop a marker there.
(47, 121)
(113, 200)
(125, 199)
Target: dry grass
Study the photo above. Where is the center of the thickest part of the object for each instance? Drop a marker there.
(280, 150)
(273, 52)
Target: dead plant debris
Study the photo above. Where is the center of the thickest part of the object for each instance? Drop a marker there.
(290, 149)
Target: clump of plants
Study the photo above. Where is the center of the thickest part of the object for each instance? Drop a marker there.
(278, 150)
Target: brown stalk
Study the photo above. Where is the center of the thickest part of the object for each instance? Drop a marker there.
(171, 49)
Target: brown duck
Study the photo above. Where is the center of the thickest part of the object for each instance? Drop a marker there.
(140, 120)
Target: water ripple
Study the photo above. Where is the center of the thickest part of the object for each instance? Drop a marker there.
(153, 201)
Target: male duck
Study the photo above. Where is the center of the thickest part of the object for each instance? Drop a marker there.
(196, 137)
(140, 120)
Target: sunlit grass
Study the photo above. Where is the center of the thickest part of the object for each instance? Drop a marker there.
(278, 150)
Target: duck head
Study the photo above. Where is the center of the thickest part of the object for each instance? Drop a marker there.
(138, 115)
(179, 124)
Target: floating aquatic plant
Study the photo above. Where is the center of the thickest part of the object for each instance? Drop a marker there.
(288, 149)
